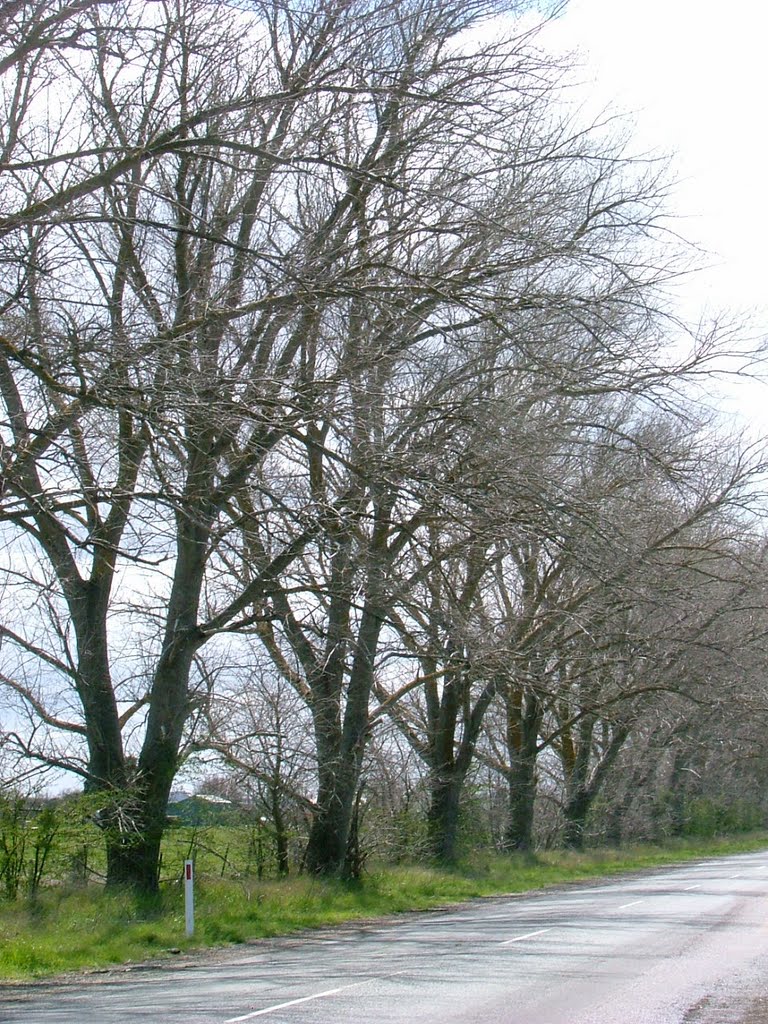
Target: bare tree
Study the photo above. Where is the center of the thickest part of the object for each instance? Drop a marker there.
(173, 318)
(270, 268)
(625, 604)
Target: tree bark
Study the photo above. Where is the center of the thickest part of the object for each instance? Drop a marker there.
(327, 845)
(524, 713)
(443, 816)
(576, 810)
(582, 785)
(452, 765)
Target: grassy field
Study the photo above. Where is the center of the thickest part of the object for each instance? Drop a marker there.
(74, 928)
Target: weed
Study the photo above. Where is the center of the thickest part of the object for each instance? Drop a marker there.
(66, 928)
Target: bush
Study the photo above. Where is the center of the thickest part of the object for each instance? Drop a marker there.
(705, 817)
(27, 835)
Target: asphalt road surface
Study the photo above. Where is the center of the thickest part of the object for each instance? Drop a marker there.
(686, 945)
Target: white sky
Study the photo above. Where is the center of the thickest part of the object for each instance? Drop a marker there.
(694, 75)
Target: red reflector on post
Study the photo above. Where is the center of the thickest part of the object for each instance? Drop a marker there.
(189, 872)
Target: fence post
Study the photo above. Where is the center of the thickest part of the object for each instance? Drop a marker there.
(189, 896)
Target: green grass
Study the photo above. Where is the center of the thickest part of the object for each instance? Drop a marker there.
(74, 929)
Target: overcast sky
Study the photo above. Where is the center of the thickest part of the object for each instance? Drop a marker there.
(693, 74)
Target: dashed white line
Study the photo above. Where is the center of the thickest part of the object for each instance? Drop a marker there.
(528, 935)
(691, 887)
(634, 903)
(304, 999)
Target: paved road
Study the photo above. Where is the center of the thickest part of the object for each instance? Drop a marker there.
(687, 945)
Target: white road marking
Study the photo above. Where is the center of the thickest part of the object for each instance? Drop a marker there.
(690, 887)
(528, 935)
(634, 903)
(305, 999)
(559, 902)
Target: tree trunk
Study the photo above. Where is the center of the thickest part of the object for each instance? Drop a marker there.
(106, 761)
(443, 817)
(524, 713)
(326, 852)
(581, 793)
(133, 841)
(133, 860)
(452, 766)
(576, 810)
(338, 768)
(340, 747)
(613, 833)
(522, 797)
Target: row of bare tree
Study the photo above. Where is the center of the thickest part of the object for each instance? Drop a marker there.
(592, 661)
(339, 385)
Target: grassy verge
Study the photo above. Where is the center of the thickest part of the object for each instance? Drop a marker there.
(75, 929)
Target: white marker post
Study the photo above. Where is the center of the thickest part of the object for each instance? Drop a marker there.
(189, 897)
